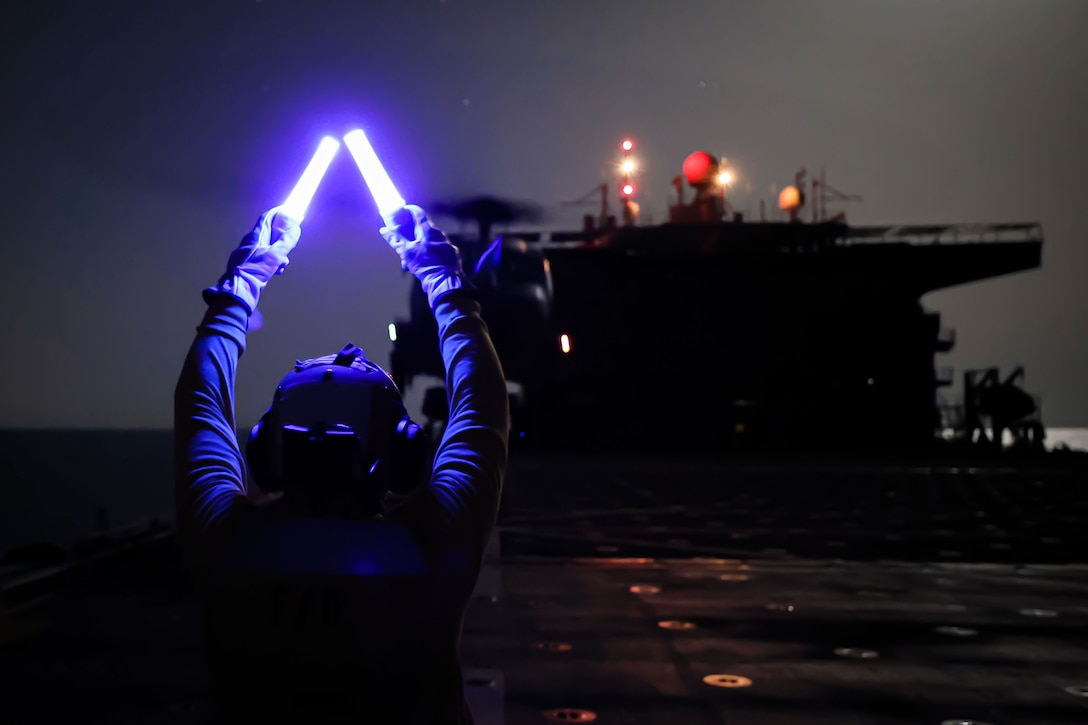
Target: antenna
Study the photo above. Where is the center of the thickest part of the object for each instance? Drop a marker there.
(827, 193)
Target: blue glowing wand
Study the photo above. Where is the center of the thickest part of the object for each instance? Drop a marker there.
(303, 193)
(381, 187)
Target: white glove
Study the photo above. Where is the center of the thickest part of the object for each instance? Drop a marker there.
(261, 255)
(426, 252)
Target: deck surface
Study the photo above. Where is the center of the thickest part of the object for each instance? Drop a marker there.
(671, 591)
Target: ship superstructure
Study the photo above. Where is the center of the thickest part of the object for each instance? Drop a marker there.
(714, 330)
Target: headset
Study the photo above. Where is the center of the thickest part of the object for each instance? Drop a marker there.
(337, 436)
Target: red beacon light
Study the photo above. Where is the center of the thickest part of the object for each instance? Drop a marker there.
(627, 189)
(627, 144)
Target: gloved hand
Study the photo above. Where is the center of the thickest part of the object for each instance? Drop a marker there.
(426, 252)
(261, 255)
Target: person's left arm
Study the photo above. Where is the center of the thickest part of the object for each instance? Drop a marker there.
(210, 470)
(210, 479)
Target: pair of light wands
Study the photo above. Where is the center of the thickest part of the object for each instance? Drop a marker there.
(377, 180)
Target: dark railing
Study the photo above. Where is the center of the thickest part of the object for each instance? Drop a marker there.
(944, 374)
(944, 234)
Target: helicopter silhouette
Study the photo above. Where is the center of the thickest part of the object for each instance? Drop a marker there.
(487, 211)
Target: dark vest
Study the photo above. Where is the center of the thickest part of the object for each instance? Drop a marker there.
(333, 612)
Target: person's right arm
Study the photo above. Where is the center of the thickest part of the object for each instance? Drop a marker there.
(470, 462)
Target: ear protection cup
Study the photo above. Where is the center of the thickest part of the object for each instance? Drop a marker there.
(257, 456)
(410, 456)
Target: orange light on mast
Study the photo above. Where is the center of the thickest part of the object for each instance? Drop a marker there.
(790, 199)
(564, 343)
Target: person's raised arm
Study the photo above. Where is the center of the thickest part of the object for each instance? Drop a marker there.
(470, 462)
(210, 484)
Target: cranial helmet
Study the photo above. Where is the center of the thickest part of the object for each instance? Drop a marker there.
(337, 435)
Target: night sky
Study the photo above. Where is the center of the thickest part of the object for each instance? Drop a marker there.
(143, 139)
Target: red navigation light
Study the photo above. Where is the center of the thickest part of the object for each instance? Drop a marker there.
(700, 167)
(627, 189)
(627, 144)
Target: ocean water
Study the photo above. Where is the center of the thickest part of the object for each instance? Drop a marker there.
(59, 485)
(1073, 438)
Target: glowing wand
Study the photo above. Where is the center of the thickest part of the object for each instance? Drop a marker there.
(295, 206)
(381, 187)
